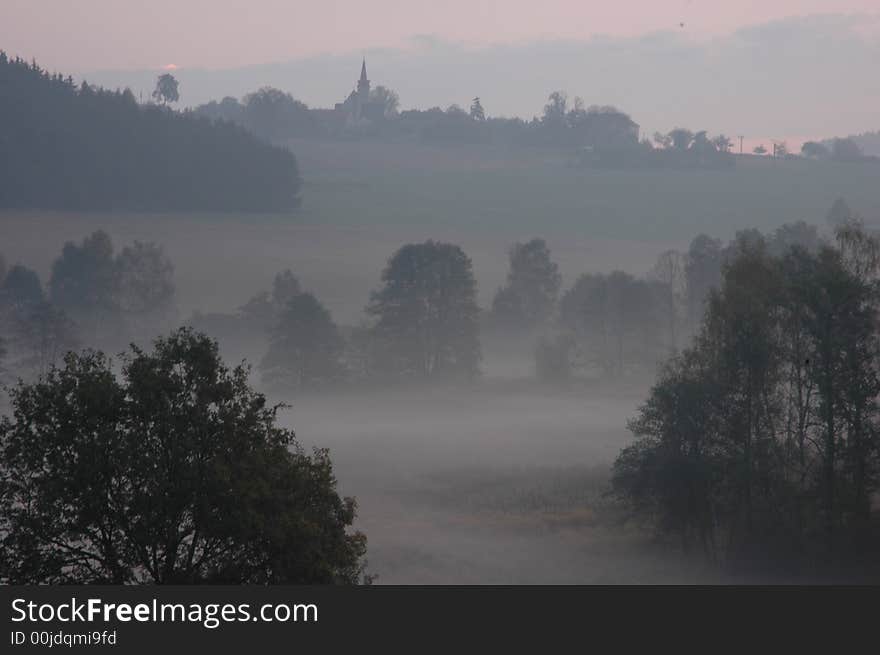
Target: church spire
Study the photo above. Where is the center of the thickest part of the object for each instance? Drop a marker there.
(364, 83)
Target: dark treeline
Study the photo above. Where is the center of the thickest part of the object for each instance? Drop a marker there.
(598, 135)
(759, 443)
(69, 147)
(850, 149)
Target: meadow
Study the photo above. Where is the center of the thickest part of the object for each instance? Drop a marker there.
(503, 481)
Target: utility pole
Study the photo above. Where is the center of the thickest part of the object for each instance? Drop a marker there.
(740, 144)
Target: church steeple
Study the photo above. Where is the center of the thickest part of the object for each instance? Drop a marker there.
(364, 83)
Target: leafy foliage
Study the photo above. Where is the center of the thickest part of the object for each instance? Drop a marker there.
(532, 288)
(761, 439)
(305, 346)
(176, 472)
(426, 312)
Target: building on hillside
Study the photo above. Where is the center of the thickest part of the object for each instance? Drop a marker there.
(358, 109)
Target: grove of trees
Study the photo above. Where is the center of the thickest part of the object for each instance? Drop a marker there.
(69, 147)
(759, 442)
(93, 295)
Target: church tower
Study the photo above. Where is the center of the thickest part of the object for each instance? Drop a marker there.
(364, 84)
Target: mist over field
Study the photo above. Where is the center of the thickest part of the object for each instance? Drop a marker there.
(633, 339)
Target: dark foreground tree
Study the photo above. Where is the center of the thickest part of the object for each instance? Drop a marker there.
(426, 312)
(174, 472)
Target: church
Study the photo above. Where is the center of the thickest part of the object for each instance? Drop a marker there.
(358, 109)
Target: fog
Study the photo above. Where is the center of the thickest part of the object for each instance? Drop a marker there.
(533, 348)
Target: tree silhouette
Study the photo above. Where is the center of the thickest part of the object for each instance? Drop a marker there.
(426, 312)
(167, 89)
(477, 111)
(305, 347)
(175, 472)
(760, 440)
(108, 152)
(532, 288)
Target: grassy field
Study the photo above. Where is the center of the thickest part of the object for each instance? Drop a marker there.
(502, 482)
(482, 188)
(361, 201)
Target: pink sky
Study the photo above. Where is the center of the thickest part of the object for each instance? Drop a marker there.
(84, 35)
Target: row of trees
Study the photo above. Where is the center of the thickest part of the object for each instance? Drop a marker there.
(760, 442)
(277, 116)
(423, 324)
(69, 147)
(93, 294)
(839, 150)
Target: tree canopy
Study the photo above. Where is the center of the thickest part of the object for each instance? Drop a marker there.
(533, 282)
(426, 315)
(69, 147)
(759, 443)
(174, 472)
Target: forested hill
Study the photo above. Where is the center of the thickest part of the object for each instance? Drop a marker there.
(64, 146)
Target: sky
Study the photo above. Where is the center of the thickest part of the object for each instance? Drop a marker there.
(85, 35)
(771, 69)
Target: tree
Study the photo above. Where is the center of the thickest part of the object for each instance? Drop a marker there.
(477, 111)
(670, 272)
(175, 472)
(263, 309)
(145, 286)
(613, 318)
(41, 335)
(556, 109)
(760, 150)
(305, 347)
(167, 89)
(662, 140)
(85, 285)
(275, 115)
(839, 214)
(532, 288)
(21, 288)
(702, 274)
(814, 150)
(681, 139)
(426, 314)
(794, 235)
(722, 143)
(846, 150)
(388, 98)
(761, 439)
